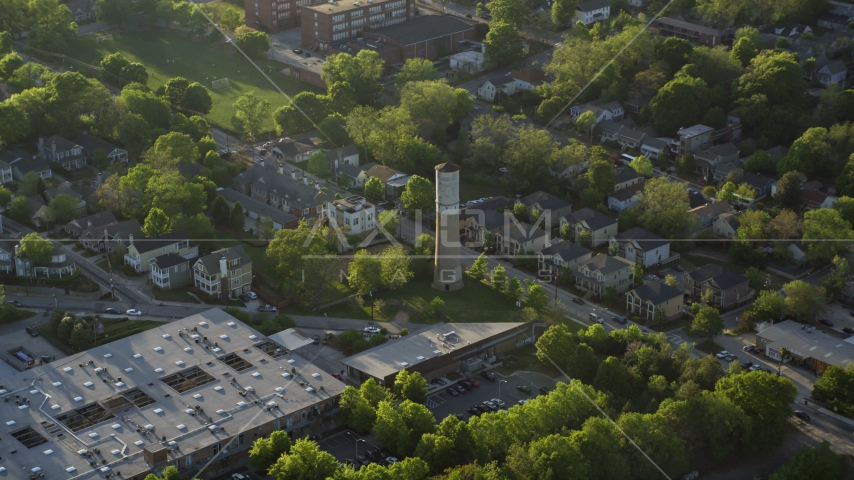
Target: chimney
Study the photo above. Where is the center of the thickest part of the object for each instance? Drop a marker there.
(305, 180)
(53, 149)
(130, 238)
(223, 268)
(89, 222)
(294, 174)
(262, 162)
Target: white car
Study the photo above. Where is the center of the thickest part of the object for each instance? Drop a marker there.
(372, 330)
(252, 295)
(134, 313)
(503, 170)
(391, 460)
(498, 402)
(239, 476)
(722, 354)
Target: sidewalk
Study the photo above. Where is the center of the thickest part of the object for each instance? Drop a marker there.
(816, 408)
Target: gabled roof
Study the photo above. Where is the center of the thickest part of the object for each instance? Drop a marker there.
(696, 199)
(211, 261)
(90, 143)
(696, 129)
(610, 127)
(653, 142)
(626, 174)
(777, 152)
(249, 203)
(168, 260)
(730, 219)
(29, 164)
(291, 148)
(522, 232)
(592, 218)
(656, 293)
(591, 5)
(834, 18)
(249, 176)
(62, 145)
(10, 156)
(34, 204)
(566, 251)
(645, 239)
(545, 200)
(63, 190)
(148, 245)
(631, 134)
(624, 194)
(355, 171)
(95, 220)
(714, 209)
(606, 264)
(532, 75)
(723, 278)
(345, 151)
(116, 231)
(834, 67)
(382, 172)
(757, 180)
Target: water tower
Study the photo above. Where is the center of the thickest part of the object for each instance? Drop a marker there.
(448, 274)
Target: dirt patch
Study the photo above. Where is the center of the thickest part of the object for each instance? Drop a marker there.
(401, 316)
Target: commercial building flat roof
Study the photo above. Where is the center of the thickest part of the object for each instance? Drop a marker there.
(183, 386)
(817, 344)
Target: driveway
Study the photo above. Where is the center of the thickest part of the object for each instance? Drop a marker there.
(13, 336)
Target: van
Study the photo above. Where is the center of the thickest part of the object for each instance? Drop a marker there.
(594, 318)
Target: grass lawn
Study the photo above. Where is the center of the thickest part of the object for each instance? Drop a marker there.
(13, 314)
(220, 7)
(708, 346)
(690, 262)
(197, 60)
(469, 190)
(173, 295)
(114, 329)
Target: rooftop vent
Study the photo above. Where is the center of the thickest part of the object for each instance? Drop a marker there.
(137, 355)
(139, 443)
(231, 324)
(67, 369)
(315, 375)
(188, 349)
(158, 411)
(204, 324)
(108, 355)
(129, 369)
(56, 384)
(404, 364)
(158, 349)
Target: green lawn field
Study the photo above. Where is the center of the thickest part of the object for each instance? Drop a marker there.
(167, 54)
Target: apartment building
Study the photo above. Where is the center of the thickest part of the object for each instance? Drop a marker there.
(227, 269)
(354, 214)
(141, 251)
(692, 32)
(337, 21)
(274, 15)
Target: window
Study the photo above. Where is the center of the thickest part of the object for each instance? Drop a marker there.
(215, 449)
(238, 441)
(356, 13)
(176, 268)
(399, 3)
(184, 267)
(339, 27)
(338, 18)
(235, 283)
(357, 22)
(163, 249)
(398, 13)
(188, 460)
(377, 18)
(284, 6)
(375, 9)
(315, 17)
(355, 221)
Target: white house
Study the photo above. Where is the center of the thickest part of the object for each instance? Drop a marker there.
(625, 198)
(833, 72)
(468, 62)
(488, 89)
(592, 11)
(611, 111)
(641, 246)
(346, 155)
(354, 214)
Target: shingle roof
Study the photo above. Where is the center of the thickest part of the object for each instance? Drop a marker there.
(382, 172)
(249, 203)
(62, 145)
(169, 260)
(714, 209)
(290, 147)
(355, 171)
(631, 134)
(591, 5)
(249, 176)
(624, 194)
(644, 238)
(296, 192)
(606, 264)
(29, 164)
(161, 241)
(656, 293)
(96, 220)
(594, 219)
(626, 174)
(423, 28)
(757, 180)
(90, 143)
(9, 156)
(119, 230)
(523, 232)
(345, 151)
(566, 250)
(545, 200)
(834, 18)
(722, 277)
(835, 67)
(211, 261)
(777, 152)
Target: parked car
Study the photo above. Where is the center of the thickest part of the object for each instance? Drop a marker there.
(134, 313)
(373, 454)
(239, 476)
(460, 417)
(266, 308)
(466, 384)
(31, 330)
(461, 388)
(577, 300)
(750, 348)
(679, 268)
(620, 319)
(315, 339)
(337, 376)
(746, 365)
(243, 297)
(848, 330)
(474, 383)
(252, 295)
(544, 391)
(474, 410)
(825, 322)
(523, 401)
(490, 407)
(801, 415)
(438, 381)
(113, 311)
(730, 358)
(722, 354)
(755, 367)
(297, 50)
(659, 274)
(453, 392)
(14, 302)
(499, 402)
(524, 388)
(488, 375)
(363, 459)
(372, 330)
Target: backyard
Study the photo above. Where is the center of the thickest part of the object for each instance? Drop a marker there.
(167, 54)
(114, 329)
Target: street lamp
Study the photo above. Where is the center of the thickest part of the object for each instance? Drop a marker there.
(499, 387)
(357, 447)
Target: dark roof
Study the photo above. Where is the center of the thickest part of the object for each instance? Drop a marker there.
(644, 238)
(696, 199)
(423, 28)
(626, 174)
(354, 171)
(566, 250)
(9, 156)
(211, 262)
(494, 204)
(291, 147)
(34, 203)
(63, 190)
(545, 200)
(606, 264)
(277, 214)
(29, 164)
(118, 230)
(90, 143)
(722, 277)
(657, 292)
(632, 134)
(757, 180)
(249, 176)
(594, 219)
(624, 194)
(161, 241)
(834, 18)
(62, 145)
(298, 193)
(523, 232)
(96, 220)
(592, 5)
(169, 260)
(835, 67)
(346, 151)
(384, 173)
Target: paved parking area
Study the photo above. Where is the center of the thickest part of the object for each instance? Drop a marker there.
(840, 315)
(14, 335)
(443, 404)
(344, 445)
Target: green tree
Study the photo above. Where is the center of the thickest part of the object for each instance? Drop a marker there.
(585, 123)
(294, 251)
(81, 336)
(642, 166)
(267, 229)
(52, 27)
(537, 297)
(304, 461)
(670, 281)
(499, 277)
(410, 386)
(760, 162)
(9, 63)
(436, 306)
(602, 176)
(770, 304)
(682, 101)
(557, 345)
(374, 189)
(252, 42)
(479, 267)
(789, 190)
(707, 323)
(178, 147)
(820, 463)
(583, 364)
(357, 413)
(803, 300)
(743, 51)
(300, 114)
(360, 72)
(5, 31)
(197, 98)
(664, 206)
(14, 124)
(418, 194)
(237, 217)
(826, 235)
(503, 44)
(415, 70)
(157, 223)
(114, 12)
(65, 208)
(318, 165)
(395, 267)
(529, 157)
(364, 273)
(169, 473)
(686, 163)
(219, 211)
(251, 113)
(35, 250)
(156, 111)
(563, 12)
(266, 450)
(512, 12)
(230, 19)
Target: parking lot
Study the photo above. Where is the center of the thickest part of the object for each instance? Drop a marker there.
(443, 403)
(345, 445)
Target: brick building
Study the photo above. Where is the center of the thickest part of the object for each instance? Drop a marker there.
(338, 21)
(274, 15)
(430, 36)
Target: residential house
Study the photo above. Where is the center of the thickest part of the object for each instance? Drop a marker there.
(634, 104)
(294, 151)
(778, 152)
(140, 251)
(630, 138)
(786, 29)
(653, 148)
(291, 195)
(707, 160)
(65, 189)
(58, 266)
(729, 289)
(600, 227)
(354, 214)
(77, 226)
(6, 159)
(228, 268)
(797, 253)
(528, 78)
(553, 206)
(354, 176)
(519, 238)
(833, 72)
(693, 139)
(692, 32)
(833, 21)
(471, 62)
(603, 271)
(170, 271)
(38, 211)
(815, 199)
(611, 111)
(390, 178)
(626, 177)
(762, 183)
(113, 237)
(490, 88)
(625, 198)
(258, 210)
(56, 149)
(608, 131)
(708, 214)
(723, 169)
(92, 144)
(82, 10)
(696, 199)
(562, 255)
(648, 300)
(592, 11)
(726, 225)
(395, 186)
(346, 155)
(7, 256)
(487, 216)
(643, 247)
(803, 185)
(23, 164)
(243, 181)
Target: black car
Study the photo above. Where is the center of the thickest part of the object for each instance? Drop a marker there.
(14, 302)
(620, 319)
(243, 297)
(524, 388)
(746, 365)
(467, 384)
(544, 391)
(801, 415)
(577, 300)
(679, 268)
(489, 407)
(32, 331)
(488, 375)
(114, 311)
(848, 330)
(460, 417)
(474, 411)
(453, 392)
(363, 460)
(825, 322)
